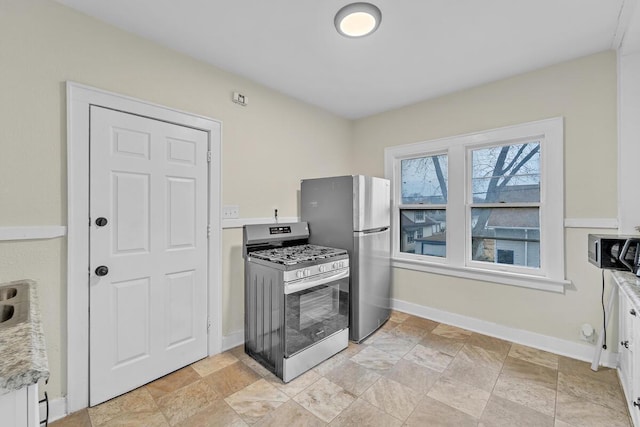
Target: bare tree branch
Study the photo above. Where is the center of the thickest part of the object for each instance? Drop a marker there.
(441, 179)
(515, 170)
(515, 158)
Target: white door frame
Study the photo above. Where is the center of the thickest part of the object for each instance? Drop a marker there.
(79, 98)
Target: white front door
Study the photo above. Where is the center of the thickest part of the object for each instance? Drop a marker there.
(148, 250)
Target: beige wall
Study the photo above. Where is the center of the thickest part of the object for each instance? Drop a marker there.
(272, 144)
(267, 147)
(583, 91)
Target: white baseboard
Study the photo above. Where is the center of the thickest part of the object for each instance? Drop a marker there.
(57, 409)
(234, 339)
(584, 352)
(554, 345)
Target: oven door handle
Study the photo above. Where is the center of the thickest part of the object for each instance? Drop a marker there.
(312, 283)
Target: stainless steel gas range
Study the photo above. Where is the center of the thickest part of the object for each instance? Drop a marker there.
(296, 298)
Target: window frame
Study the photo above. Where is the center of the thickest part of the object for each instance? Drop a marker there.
(416, 207)
(457, 262)
(470, 205)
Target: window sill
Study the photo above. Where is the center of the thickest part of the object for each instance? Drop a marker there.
(505, 278)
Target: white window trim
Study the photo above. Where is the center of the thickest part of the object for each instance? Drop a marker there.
(551, 275)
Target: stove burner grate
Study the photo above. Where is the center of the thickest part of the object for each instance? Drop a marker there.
(291, 255)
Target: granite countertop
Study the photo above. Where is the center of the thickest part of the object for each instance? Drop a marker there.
(23, 355)
(629, 284)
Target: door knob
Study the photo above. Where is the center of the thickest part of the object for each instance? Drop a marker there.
(103, 270)
(101, 222)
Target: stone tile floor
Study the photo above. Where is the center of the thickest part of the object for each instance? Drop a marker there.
(412, 372)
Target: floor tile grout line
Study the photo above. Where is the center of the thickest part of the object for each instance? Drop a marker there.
(494, 386)
(555, 409)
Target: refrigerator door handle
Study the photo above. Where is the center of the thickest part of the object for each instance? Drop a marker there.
(376, 230)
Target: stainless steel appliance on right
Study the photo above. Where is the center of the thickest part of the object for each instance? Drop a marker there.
(353, 213)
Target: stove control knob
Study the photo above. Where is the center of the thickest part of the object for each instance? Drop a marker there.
(299, 274)
(322, 269)
(334, 265)
(307, 272)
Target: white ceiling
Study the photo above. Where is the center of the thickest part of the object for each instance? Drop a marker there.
(423, 48)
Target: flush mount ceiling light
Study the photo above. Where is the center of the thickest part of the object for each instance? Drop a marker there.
(357, 19)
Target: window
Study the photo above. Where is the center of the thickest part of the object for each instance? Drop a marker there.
(487, 206)
(423, 204)
(504, 256)
(505, 203)
(430, 232)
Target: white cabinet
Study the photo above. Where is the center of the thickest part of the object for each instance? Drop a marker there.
(629, 351)
(635, 382)
(19, 408)
(625, 349)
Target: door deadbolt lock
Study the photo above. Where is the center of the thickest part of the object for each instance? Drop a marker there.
(103, 270)
(101, 222)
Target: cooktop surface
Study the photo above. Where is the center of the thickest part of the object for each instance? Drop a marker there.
(291, 255)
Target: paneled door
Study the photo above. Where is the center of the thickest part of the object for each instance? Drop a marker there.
(148, 250)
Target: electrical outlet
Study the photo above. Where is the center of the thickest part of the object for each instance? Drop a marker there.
(241, 99)
(587, 333)
(230, 212)
(590, 339)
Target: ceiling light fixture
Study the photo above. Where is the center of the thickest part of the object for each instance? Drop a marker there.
(358, 19)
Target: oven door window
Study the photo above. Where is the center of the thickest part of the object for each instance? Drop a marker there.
(314, 314)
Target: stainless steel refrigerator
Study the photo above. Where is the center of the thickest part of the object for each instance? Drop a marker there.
(353, 213)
